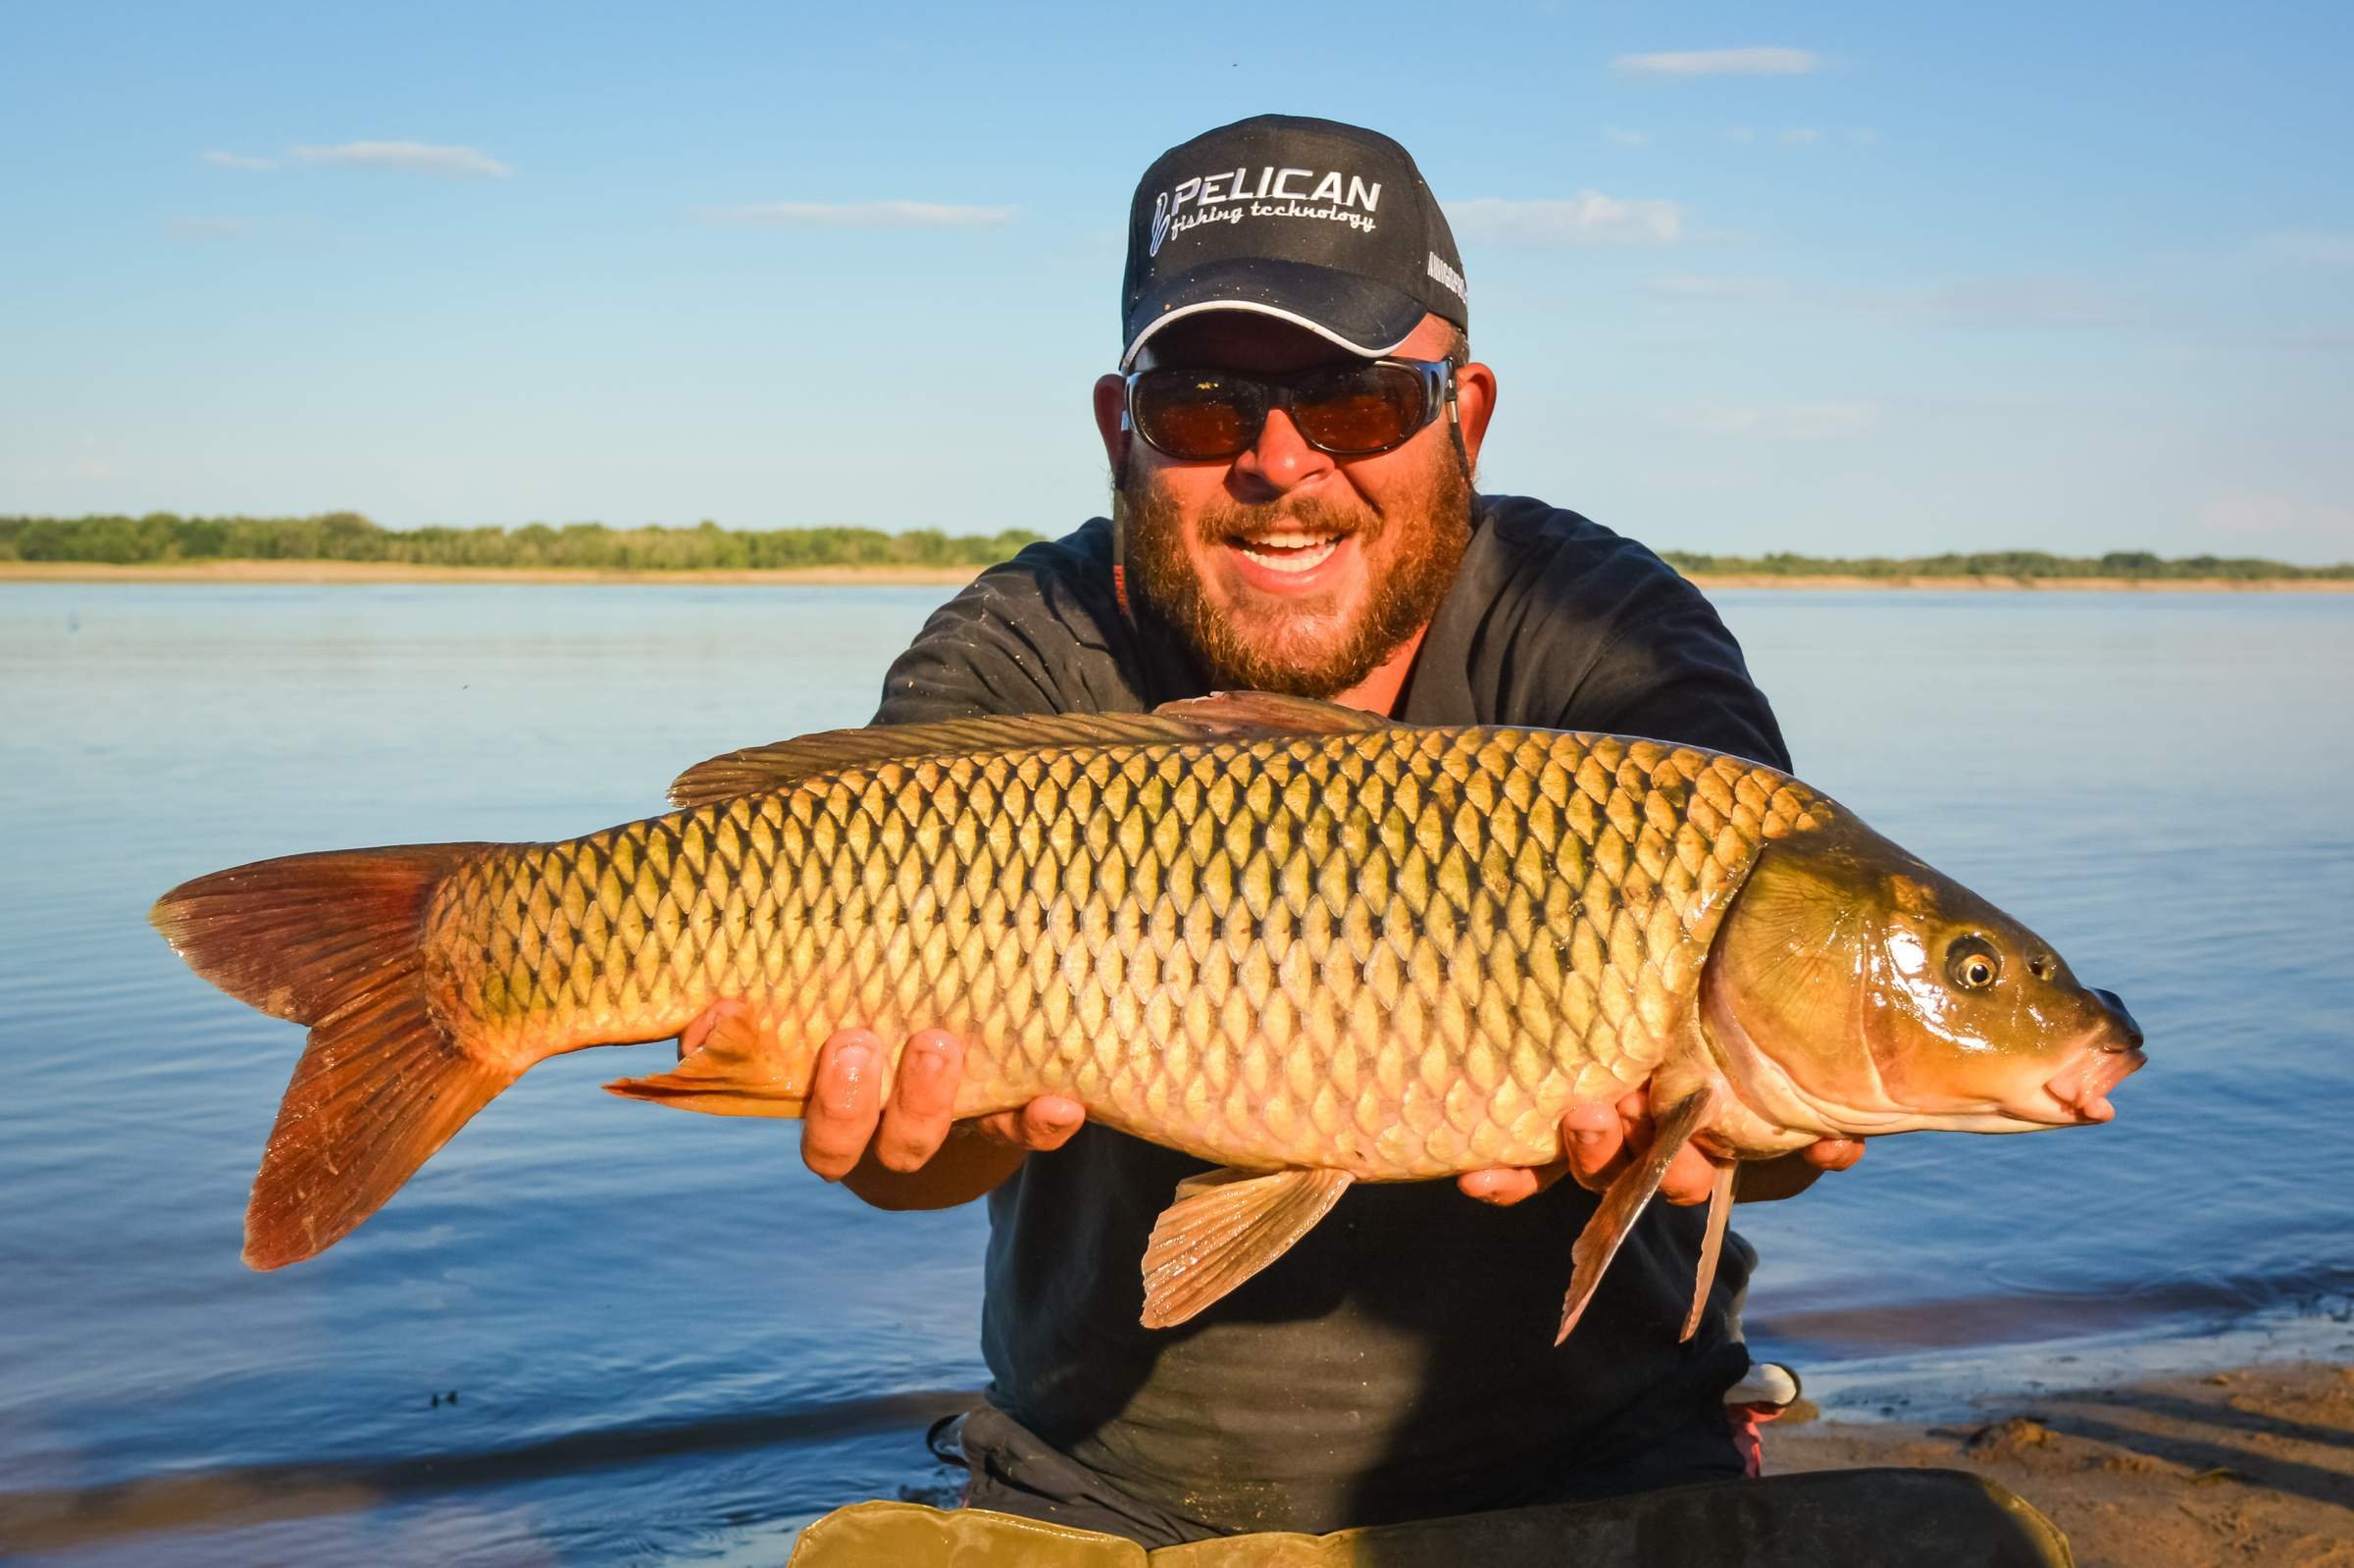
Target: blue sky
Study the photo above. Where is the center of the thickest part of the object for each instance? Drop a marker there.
(1841, 278)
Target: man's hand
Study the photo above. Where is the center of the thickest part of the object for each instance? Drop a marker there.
(907, 1152)
(1601, 1140)
(846, 1123)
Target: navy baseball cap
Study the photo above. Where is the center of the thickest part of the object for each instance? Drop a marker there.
(1326, 225)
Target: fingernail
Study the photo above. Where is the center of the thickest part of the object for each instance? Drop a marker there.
(1587, 1140)
(852, 1061)
(923, 1062)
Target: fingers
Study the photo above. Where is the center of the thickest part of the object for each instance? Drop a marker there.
(1594, 1141)
(1046, 1123)
(1834, 1153)
(1601, 1140)
(1691, 1177)
(844, 1103)
(915, 1123)
(1507, 1185)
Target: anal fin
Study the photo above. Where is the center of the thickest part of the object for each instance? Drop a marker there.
(1223, 1229)
(1624, 1202)
(731, 1067)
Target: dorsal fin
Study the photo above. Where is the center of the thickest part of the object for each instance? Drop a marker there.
(1221, 716)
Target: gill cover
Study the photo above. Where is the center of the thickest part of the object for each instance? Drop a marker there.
(1853, 991)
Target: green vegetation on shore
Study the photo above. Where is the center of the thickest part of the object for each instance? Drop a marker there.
(2130, 565)
(161, 538)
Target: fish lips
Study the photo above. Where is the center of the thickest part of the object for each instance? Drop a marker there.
(2081, 1090)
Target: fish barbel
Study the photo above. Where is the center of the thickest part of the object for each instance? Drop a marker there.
(1299, 941)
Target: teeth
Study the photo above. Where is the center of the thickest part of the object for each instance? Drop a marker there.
(1300, 552)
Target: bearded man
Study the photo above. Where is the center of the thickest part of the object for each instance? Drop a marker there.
(1292, 442)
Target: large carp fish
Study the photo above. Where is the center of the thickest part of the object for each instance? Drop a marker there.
(1301, 942)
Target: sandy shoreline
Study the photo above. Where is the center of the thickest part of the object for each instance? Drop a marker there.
(2250, 1465)
(334, 572)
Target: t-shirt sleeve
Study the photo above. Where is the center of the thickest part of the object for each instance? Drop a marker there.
(1670, 671)
(1025, 636)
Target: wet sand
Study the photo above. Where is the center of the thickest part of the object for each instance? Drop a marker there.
(314, 572)
(2249, 1466)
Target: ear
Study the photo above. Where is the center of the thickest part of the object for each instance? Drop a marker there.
(1474, 405)
(1111, 419)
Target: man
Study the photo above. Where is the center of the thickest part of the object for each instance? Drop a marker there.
(1292, 454)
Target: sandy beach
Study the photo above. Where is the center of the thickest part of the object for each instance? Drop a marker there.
(2254, 1466)
(323, 572)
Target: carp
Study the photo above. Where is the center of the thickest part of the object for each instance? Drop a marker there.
(1304, 943)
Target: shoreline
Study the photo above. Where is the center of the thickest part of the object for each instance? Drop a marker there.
(2254, 1463)
(318, 573)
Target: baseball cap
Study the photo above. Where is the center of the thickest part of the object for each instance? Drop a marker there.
(1324, 224)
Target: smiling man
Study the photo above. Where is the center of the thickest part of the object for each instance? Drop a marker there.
(1292, 439)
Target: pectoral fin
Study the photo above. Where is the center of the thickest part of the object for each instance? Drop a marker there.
(1624, 1202)
(1720, 1208)
(1225, 1227)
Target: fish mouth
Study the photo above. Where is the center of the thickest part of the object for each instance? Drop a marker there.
(2082, 1088)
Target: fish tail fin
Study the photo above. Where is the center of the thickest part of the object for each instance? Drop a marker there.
(335, 942)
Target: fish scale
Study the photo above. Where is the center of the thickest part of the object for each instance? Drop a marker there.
(1397, 952)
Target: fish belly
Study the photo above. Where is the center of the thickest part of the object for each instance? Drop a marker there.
(1400, 953)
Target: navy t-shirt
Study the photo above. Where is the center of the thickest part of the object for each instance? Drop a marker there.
(1398, 1361)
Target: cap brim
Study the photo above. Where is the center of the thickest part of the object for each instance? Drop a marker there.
(1354, 313)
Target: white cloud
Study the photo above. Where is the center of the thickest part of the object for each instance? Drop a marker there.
(1740, 133)
(1782, 422)
(1864, 136)
(92, 468)
(1587, 218)
(232, 160)
(408, 158)
(860, 214)
(208, 227)
(1801, 136)
(1624, 138)
(1719, 63)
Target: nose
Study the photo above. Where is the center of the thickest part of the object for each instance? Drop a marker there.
(2115, 1006)
(1279, 462)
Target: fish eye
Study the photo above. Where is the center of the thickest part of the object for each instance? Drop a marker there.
(1972, 963)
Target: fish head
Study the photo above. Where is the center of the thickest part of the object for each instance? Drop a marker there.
(1852, 990)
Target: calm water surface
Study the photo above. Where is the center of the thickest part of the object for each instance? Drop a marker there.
(668, 1343)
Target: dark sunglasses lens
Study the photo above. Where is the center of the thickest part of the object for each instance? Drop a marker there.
(1370, 409)
(1190, 413)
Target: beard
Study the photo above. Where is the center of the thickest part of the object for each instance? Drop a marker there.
(1313, 646)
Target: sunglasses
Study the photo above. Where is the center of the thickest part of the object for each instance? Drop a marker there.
(1202, 415)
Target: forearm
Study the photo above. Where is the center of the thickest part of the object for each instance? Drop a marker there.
(967, 1166)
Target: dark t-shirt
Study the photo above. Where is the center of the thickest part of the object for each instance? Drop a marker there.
(1398, 1361)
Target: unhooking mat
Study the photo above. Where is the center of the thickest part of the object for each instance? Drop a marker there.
(1823, 1519)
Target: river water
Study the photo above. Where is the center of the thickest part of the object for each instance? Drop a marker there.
(667, 1344)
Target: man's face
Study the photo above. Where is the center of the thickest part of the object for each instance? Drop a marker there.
(1285, 567)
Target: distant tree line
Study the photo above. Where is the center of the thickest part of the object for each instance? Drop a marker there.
(162, 539)
(2023, 563)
